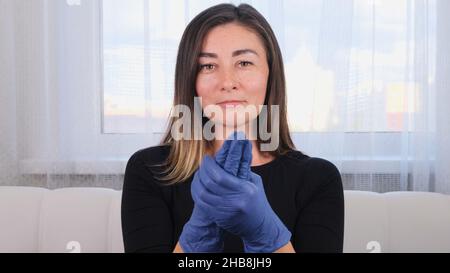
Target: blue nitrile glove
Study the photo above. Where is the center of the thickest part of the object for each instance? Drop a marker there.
(240, 205)
(237, 157)
(200, 233)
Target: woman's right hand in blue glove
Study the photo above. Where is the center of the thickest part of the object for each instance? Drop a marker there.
(200, 233)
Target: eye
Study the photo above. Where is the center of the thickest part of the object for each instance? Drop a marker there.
(207, 66)
(245, 63)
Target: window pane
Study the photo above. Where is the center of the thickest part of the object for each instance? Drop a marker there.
(350, 65)
(124, 97)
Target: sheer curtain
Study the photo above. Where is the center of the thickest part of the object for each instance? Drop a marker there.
(84, 84)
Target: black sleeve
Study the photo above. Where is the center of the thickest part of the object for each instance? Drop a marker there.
(320, 223)
(146, 221)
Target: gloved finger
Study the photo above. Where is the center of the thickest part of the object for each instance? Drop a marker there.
(196, 187)
(228, 202)
(222, 154)
(202, 182)
(209, 210)
(244, 167)
(234, 156)
(238, 135)
(218, 205)
(231, 166)
(212, 186)
(227, 185)
(255, 179)
(219, 176)
(199, 190)
(230, 187)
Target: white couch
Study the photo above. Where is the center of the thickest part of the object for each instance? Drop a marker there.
(88, 220)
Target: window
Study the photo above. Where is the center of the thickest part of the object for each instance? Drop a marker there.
(354, 75)
(351, 67)
(363, 68)
(139, 53)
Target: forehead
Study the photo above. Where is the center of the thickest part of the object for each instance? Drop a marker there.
(229, 37)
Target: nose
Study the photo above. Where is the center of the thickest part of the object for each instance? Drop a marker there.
(229, 81)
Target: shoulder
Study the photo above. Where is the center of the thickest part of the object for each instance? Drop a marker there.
(316, 178)
(149, 157)
(140, 184)
(148, 161)
(313, 174)
(323, 168)
(315, 165)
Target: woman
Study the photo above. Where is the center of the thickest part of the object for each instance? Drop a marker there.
(211, 195)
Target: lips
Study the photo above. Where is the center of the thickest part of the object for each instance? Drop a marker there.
(230, 103)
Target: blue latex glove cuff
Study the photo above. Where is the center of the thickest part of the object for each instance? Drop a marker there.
(200, 236)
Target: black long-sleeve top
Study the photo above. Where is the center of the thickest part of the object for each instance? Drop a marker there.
(305, 192)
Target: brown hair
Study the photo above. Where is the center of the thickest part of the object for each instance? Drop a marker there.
(185, 155)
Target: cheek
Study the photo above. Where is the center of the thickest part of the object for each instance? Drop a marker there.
(256, 87)
(204, 90)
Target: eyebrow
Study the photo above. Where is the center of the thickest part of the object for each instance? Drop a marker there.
(235, 53)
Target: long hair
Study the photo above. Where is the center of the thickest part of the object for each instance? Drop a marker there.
(185, 155)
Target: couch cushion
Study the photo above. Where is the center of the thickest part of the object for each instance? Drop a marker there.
(418, 222)
(366, 222)
(78, 215)
(19, 218)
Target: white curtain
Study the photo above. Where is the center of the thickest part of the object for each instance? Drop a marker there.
(84, 84)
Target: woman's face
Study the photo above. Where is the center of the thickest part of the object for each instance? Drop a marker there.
(233, 72)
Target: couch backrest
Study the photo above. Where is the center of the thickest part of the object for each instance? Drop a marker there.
(397, 222)
(62, 220)
(88, 220)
